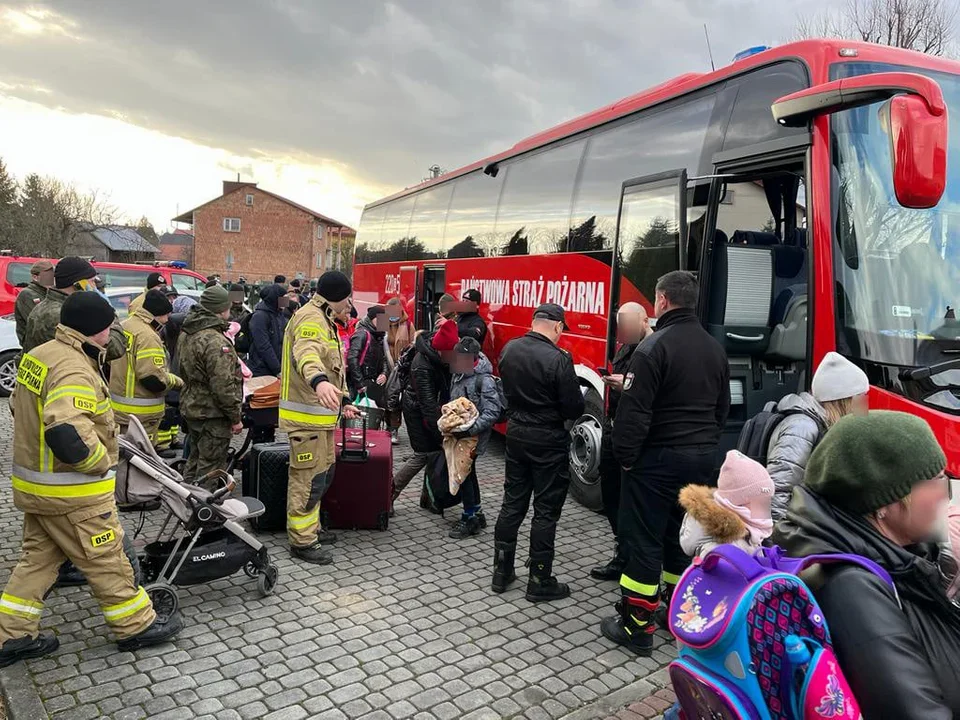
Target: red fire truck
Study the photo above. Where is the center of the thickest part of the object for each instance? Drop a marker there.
(806, 185)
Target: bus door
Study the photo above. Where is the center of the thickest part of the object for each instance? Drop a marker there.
(651, 222)
(432, 288)
(407, 291)
(754, 276)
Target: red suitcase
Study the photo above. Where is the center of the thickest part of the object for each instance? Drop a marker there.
(361, 493)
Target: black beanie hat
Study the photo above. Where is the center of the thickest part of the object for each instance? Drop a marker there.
(87, 312)
(334, 286)
(468, 346)
(867, 462)
(155, 279)
(156, 303)
(372, 312)
(72, 270)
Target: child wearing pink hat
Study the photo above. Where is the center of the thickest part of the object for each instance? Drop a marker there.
(737, 512)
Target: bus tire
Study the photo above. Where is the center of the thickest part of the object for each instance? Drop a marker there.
(586, 433)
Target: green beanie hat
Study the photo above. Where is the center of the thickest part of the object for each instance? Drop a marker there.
(215, 298)
(867, 462)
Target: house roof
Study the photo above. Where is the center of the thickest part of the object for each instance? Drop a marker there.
(120, 238)
(187, 217)
(176, 238)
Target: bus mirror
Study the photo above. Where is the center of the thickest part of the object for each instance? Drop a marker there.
(918, 150)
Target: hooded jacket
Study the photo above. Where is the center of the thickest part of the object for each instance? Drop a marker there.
(367, 344)
(791, 446)
(707, 524)
(901, 663)
(266, 328)
(171, 335)
(481, 389)
(427, 390)
(210, 369)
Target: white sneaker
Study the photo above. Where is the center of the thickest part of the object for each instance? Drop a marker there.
(395, 437)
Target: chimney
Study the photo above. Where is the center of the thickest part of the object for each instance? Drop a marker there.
(230, 185)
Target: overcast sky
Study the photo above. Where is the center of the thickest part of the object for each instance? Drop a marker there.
(333, 103)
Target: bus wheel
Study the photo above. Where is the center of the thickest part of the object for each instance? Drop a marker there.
(586, 435)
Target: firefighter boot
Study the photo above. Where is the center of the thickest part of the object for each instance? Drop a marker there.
(542, 586)
(69, 576)
(159, 632)
(613, 569)
(503, 557)
(313, 554)
(662, 615)
(633, 627)
(27, 647)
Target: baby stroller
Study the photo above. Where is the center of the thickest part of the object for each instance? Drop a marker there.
(205, 541)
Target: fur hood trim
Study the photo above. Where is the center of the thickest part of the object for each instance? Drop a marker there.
(723, 525)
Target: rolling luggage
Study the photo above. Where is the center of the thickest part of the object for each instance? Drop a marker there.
(265, 478)
(361, 493)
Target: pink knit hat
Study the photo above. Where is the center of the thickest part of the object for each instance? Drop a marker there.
(747, 484)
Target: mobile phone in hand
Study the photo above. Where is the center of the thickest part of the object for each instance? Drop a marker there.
(602, 372)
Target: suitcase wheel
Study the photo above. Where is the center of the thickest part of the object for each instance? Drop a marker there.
(383, 520)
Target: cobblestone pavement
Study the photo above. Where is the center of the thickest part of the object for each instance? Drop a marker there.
(403, 625)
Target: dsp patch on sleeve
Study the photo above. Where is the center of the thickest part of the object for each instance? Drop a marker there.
(628, 381)
(103, 538)
(309, 332)
(85, 405)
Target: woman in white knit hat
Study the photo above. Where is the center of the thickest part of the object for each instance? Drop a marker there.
(839, 388)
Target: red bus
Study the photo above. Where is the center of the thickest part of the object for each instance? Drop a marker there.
(773, 178)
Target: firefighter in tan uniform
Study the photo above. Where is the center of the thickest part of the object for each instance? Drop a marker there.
(139, 380)
(154, 280)
(312, 396)
(64, 460)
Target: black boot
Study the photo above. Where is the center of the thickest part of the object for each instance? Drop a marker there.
(633, 627)
(313, 554)
(482, 519)
(465, 527)
(69, 576)
(542, 586)
(160, 632)
(325, 536)
(662, 614)
(503, 573)
(613, 569)
(27, 647)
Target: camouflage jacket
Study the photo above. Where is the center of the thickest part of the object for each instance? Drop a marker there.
(43, 321)
(209, 368)
(31, 296)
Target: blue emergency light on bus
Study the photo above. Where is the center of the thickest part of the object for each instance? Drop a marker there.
(750, 51)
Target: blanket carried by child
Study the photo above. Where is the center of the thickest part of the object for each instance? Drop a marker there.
(456, 417)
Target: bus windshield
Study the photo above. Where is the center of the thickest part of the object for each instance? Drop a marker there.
(897, 270)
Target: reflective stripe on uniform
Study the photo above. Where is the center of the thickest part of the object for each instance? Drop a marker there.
(299, 522)
(13, 605)
(305, 359)
(92, 459)
(61, 484)
(116, 613)
(137, 406)
(71, 391)
(309, 414)
(152, 352)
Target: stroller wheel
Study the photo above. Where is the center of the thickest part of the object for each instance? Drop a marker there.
(267, 582)
(164, 598)
(251, 570)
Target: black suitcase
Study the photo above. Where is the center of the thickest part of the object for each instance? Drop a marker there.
(265, 473)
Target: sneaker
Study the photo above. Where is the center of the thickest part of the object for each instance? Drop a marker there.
(394, 437)
(482, 518)
(27, 647)
(465, 527)
(325, 537)
(159, 632)
(313, 554)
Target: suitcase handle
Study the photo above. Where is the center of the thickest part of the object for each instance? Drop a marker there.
(356, 455)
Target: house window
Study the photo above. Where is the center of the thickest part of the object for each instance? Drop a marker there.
(231, 224)
(249, 200)
(229, 262)
(319, 260)
(319, 232)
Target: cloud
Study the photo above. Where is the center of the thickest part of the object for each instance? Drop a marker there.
(379, 90)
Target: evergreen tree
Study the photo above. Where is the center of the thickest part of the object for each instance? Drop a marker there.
(516, 245)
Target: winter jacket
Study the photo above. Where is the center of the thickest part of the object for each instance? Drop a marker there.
(170, 333)
(31, 296)
(481, 389)
(210, 369)
(43, 321)
(427, 390)
(621, 366)
(902, 664)
(707, 524)
(472, 325)
(399, 338)
(238, 313)
(267, 325)
(677, 391)
(366, 343)
(791, 446)
(65, 436)
(140, 379)
(542, 390)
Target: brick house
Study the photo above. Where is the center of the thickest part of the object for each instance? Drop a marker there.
(177, 245)
(251, 232)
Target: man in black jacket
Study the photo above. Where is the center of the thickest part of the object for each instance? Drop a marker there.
(676, 396)
(469, 322)
(633, 325)
(542, 395)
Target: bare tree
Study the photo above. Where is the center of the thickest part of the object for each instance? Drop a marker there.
(924, 25)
